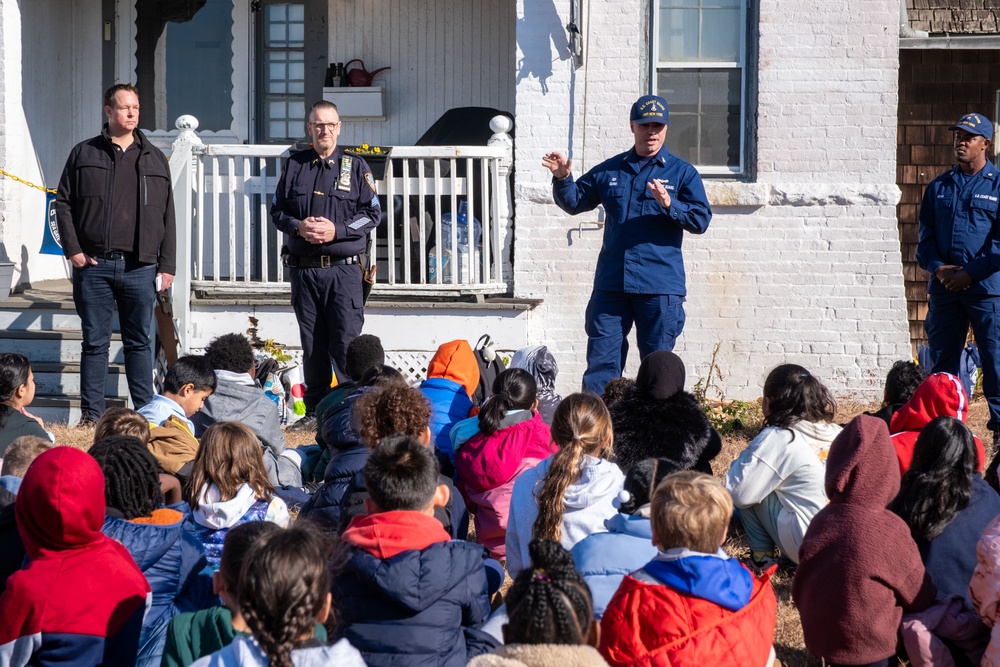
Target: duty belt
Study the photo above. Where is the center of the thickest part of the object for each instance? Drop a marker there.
(317, 261)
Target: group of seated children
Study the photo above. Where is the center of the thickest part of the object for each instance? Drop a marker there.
(604, 511)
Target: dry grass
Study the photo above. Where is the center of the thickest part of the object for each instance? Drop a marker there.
(788, 643)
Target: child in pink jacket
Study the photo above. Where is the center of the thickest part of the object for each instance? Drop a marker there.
(984, 589)
(512, 438)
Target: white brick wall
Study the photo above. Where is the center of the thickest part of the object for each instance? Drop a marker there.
(813, 275)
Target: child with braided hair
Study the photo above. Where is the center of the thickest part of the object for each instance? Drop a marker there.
(163, 545)
(551, 615)
(229, 486)
(284, 592)
(569, 495)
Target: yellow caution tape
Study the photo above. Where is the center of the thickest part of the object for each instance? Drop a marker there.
(28, 183)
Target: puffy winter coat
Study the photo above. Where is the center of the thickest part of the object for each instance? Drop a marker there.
(409, 595)
(325, 504)
(605, 558)
(81, 599)
(787, 462)
(540, 655)
(588, 503)
(215, 517)
(940, 395)
(675, 428)
(487, 466)
(858, 558)
(700, 609)
(169, 553)
(542, 365)
(452, 378)
(984, 589)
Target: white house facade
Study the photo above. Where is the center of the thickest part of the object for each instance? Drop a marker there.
(788, 108)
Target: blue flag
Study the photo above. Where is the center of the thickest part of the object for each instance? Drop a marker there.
(50, 239)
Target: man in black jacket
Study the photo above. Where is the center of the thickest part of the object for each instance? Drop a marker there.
(115, 213)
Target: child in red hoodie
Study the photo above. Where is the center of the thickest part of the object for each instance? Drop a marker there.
(81, 599)
(409, 594)
(940, 395)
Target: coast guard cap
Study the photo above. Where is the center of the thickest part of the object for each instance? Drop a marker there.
(650, 109)
(974, 123)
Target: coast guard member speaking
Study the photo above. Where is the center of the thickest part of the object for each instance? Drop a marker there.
(651, 198)
(326, 204)
(959, 245)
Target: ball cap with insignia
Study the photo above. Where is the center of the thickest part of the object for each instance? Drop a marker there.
(974, 123)
(650, 109)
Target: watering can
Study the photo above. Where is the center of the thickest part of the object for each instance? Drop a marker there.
(359, 76)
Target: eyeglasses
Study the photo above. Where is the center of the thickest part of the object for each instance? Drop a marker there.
(323, 127)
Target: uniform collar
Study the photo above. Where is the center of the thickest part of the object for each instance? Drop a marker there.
(332, 162)
(632, 159)
(989, 172)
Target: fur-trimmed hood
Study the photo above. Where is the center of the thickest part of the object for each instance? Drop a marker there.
(675, 428)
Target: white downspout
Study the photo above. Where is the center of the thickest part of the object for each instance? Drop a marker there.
(904, 23)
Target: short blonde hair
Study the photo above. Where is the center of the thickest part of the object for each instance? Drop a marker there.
(690, 510)
(122, 421)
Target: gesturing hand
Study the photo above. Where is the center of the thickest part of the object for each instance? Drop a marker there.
(557, 164)
(659, 193)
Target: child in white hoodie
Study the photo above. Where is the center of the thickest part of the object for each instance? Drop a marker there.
(569, 495)
(229, 486)
(777, 482)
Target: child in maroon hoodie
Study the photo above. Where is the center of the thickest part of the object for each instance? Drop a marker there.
(409, 594)
(859, 568)
(81, 599)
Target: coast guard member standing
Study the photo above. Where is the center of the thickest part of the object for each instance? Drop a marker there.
(651, 198)
(326, 204)
(959, 245)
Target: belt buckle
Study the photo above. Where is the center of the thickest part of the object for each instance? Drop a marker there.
(324, 261)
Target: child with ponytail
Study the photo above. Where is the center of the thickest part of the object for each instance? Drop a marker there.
(569, 495)
(511, 439)
(284, 591)
(777, 482)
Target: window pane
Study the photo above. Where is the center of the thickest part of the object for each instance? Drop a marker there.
(277, 34)
(297, 13)
(679, 34)
(276, 109)
(276, 130)
(297, 34)
(720, 35)
(297, 109)
(296, 87)
(297, 71)
(705, 114)
(275, 13)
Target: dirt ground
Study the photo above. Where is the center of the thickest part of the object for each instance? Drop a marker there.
(789, 644)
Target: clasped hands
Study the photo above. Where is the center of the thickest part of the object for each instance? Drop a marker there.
(560, 166)
(317, 229)
(954, 278)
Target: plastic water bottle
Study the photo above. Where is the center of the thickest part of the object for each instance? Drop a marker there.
(465, 271)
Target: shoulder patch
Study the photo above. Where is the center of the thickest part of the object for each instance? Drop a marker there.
(370, 180)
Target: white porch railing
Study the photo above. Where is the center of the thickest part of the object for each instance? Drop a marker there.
(227, 244)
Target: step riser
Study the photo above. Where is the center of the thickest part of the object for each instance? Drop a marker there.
(57, 415)
(66, 351)
(68, 384)
(43, 320)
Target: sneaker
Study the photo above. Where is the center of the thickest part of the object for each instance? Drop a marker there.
(762, 564)
(307, 423)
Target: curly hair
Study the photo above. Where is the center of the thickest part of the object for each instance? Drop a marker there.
(394, 409)
(793, 394)
(513, 389)
(580, 425)
(901, 381)
(615, 390)
(230, 352)
(284, 586)
(131, 476)
(938, 484)
(549, 603)
(229, 456)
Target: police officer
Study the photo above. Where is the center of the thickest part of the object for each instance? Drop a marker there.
(326, 204)
(959, 245)
(651, 198)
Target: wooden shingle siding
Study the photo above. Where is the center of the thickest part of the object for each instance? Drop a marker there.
(936, 87)
(971, 17)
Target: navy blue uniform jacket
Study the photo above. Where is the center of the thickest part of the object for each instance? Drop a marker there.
(354, 212)
(641, 253)
(958, 225)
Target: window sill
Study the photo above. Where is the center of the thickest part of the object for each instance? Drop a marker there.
(730, 194)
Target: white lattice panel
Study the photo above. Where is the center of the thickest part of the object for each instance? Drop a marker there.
(411, 363)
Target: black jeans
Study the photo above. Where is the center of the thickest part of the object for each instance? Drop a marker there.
(97, 289)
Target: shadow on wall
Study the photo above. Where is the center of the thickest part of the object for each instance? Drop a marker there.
(540, 32)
